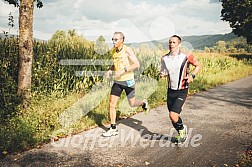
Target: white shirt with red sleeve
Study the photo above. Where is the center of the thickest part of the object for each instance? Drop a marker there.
(177, 68)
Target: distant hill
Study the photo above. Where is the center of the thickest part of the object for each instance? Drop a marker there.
(198, 42)
(3, 36)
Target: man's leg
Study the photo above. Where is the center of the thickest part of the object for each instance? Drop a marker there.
(178, 125)
(114, 97)
(176, 100)
(133, 102)
(112, 108)
(176, 120)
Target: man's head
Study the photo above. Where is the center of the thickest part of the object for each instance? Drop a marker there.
(118, 39)
(174, 43)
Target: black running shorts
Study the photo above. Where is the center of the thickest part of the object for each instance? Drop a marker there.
(176, 99)
(119, 86)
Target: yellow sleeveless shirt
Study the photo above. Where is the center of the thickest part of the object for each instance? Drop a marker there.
(121, 60)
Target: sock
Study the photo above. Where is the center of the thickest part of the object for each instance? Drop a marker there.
(143, 105)
(113, 126)
(178, 125)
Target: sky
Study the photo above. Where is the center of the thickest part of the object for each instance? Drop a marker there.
(139, 20)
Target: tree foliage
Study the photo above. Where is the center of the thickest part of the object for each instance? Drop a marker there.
(239, 14)
(16, 3)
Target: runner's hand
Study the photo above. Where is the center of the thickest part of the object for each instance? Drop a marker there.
(163, 74)
(108, 73)
(189, 79)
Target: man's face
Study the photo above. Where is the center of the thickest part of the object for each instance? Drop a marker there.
(174, 44)
(117, 40)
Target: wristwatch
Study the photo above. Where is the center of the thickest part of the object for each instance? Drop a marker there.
(193, 76)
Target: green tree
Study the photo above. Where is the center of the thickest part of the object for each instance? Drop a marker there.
(59, 37)
(221, 46)
(72, 33)
(239, 15)
(100, 46)
(207, 49)
(26, 8)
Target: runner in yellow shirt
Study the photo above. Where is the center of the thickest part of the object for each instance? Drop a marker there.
(125, 62)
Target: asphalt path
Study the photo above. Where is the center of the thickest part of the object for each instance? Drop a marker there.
(219, 127)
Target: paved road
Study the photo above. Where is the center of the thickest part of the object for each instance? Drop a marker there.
(219, 122)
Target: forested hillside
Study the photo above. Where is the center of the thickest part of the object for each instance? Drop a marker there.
(200, 42)
(208, 43)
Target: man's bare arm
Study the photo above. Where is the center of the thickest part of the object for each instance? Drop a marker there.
(135, 63)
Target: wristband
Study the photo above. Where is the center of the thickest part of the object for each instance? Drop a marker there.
(193, 76)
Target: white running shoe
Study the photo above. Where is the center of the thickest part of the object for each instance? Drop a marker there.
(110, 132)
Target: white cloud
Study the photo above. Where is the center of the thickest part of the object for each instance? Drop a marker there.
(5, 10)
(198, 9)
(141, 19)
(161, 31)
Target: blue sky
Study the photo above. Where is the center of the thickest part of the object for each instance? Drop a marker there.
(140, 20)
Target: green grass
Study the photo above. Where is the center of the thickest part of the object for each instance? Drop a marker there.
(77, 112)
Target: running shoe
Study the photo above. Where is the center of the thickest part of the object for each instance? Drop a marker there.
(110, 132)
(182, 135)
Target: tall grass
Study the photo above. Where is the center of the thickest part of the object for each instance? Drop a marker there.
(218, 69)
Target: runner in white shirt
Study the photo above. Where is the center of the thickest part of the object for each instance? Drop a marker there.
(175, 65)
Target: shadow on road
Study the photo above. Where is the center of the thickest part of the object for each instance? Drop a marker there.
(226, 94)
(144, 131)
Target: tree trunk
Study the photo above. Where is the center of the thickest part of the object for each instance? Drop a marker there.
(25, 49)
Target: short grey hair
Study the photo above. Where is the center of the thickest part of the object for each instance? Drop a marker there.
(121, 34)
